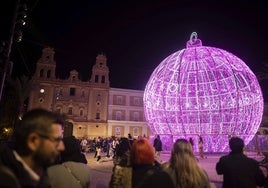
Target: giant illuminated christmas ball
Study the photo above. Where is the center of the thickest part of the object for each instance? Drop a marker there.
(203, 91)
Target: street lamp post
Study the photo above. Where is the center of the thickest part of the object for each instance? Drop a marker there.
(6, 55)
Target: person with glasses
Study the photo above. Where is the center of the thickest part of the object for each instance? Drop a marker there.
(38, 143)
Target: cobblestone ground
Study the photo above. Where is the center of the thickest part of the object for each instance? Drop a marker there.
(101, 171)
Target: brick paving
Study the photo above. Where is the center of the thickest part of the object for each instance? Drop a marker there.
(101, 171)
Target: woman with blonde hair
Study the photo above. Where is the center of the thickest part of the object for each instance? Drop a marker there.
(183, 168)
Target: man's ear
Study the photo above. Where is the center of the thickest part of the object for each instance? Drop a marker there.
(33, 141)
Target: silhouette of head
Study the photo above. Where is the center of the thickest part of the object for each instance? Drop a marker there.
(236, 144)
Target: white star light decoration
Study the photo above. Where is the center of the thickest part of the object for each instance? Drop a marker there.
(203, 91)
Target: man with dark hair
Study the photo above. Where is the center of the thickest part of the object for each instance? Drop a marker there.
(236, 144)
(38, 143)
(239, 171)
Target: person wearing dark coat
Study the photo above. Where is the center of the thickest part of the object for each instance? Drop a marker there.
(122, 152)
(72, 151)
(142, 165)
(72, 170)
(13, 174)
(37, 144)
(158, 148)
(158, 179)
(238, 170)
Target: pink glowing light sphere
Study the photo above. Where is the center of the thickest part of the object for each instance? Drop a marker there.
(203, 91)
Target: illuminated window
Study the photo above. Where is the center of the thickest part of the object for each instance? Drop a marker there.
(118, 116)
(118, 131)
(136, 116)
(119, 100)
(136, 101)
(136, 131)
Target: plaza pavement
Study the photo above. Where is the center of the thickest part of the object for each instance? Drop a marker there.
(101, 171)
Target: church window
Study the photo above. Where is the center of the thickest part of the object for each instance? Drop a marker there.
(97, 115)
(96, 78)
(70, 111)
(48, 73)
(102, 79)
(41, 72)
(72, 91)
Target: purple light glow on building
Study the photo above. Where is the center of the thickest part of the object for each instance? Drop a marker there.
(203, 91)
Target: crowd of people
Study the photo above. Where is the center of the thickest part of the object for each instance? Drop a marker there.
(41, 157)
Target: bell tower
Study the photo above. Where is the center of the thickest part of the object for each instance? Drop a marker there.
(98, 95)
(46, 65)
(42, 93)
(100, 72)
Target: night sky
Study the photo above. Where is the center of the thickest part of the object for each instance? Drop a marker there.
(135, 35)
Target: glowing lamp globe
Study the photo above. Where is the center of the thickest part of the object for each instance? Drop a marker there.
(203, 91)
